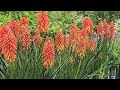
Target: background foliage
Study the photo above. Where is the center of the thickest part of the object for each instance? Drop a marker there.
(61, 19)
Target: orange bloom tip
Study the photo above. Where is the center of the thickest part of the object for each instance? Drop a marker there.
(112, 29)
(74, 32)
(105, 24)
(24, 21)
(14, 25)
(43, 21)
(108, 32)
(100, 29)
(86, 23)
(70, 61)
(91, 45)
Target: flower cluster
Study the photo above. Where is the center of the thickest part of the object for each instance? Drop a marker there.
(77, 40)
(104, 29)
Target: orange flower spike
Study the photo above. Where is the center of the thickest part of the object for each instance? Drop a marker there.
(25, 36)
(105, 24)
(9, 46)
(48, 53)
(43, 21)
(15, 28)
(91, 28)
(112, 29)
(82, 46)
(86, 23)
(66, 41)
(37, 39)
(74, 34)
(3, 33)
(24, 21)
(108, 32)
(100, 29)
(83, 34)
(59, 40)
(91, 45)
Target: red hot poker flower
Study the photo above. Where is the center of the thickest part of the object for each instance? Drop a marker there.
(105, 24)
(88, 25)
(112, 29)
(43, 21)
(48, 53)
(66, 41)
(91, 45)
(59, 40)
(74, 35)
(108, 32)
(37, 39)
(25, 36)
(3, 33)
(9, 45)
(81, 46)
(100, 29)
(24, 21)
(83, 34)
(91, 31)
(14, 25)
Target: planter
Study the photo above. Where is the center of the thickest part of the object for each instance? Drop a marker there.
(112, 74)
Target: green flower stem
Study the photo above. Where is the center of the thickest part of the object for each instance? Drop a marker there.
(78, 69)
(11, 66)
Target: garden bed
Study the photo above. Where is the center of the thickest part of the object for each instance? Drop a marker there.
(55, 45)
